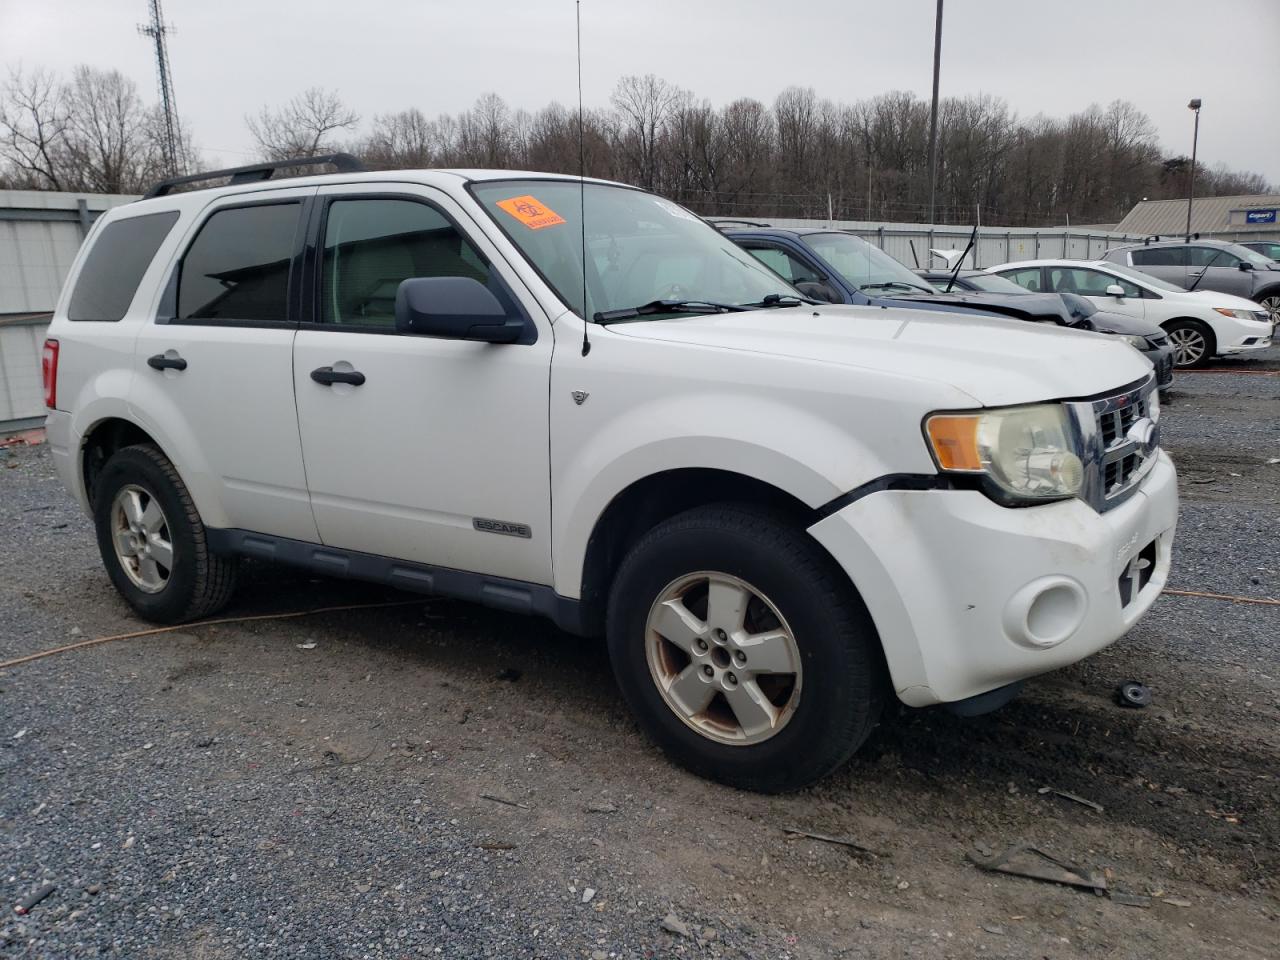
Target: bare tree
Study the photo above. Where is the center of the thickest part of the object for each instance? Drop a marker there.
(402, 141)
(644, 104)
(33, 126)
(110, 147)
(303, 127)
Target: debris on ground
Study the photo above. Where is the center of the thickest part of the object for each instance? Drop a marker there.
(1023, 860)
(1175, 901)
(673, 924)
(1133, 694)
(794, 832)
(1076, 798)
(504, 800)
(310, 645)
(601, 806)
(588, 894)
(23, 906)
(1129, 899)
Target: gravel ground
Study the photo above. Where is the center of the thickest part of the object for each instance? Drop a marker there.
(229, 790)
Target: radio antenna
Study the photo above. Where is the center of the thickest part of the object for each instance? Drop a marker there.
(582, 185)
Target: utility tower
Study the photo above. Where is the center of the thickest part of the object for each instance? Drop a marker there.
(157, 30)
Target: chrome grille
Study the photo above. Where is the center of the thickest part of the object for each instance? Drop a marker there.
(1123, 443)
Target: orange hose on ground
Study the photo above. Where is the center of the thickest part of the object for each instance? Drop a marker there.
(201, 623)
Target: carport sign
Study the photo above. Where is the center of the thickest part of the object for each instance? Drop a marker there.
(1259, 216)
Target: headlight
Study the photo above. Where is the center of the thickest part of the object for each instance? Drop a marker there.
(1238, 314)
(1027, 452)
(1138, 343)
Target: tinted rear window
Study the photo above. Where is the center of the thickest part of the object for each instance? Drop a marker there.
(114, 267)
(237, 268)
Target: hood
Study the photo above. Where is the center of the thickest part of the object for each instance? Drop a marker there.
(993, 360)
(1215, 299)
(1044, 307)
(1105, 321)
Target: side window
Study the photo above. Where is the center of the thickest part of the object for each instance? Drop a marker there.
(1028, 278)
(237, 268)
(788, 267)
(1087, 283)
(114, 267)
(1211, 257)
(371, 245)
(1160, 257)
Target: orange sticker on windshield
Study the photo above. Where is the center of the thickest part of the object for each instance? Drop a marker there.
(532, 213)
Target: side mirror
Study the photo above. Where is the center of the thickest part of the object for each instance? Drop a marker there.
(455, 308)
(1115, 290)
(818, 290)
(1246, 265)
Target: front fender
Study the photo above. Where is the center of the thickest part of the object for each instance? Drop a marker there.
(794, 450)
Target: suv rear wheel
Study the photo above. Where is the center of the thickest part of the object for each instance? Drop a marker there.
(1192, 341)
(152, 541)
(742, 651)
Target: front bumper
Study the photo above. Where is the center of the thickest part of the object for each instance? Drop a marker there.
(968, 596)
(1162, 359)
(1237, 336)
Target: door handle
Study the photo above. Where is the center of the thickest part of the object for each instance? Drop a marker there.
(329, 376)
(161, 362)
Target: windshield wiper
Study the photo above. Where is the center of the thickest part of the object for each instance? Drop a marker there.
(780, 300)
(894, 284)
(667, 306)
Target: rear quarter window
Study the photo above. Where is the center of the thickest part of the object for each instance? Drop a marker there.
(114, 266)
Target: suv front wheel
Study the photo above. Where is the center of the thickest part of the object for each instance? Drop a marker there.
(152, 541)
(741, 649)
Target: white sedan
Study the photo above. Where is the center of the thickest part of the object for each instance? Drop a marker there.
(1201, 324)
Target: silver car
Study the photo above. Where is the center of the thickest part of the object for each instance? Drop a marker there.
(1207, 265)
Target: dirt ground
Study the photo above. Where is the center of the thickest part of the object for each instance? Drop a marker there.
(440, 703)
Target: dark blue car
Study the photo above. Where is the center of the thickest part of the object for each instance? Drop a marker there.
(839, 267)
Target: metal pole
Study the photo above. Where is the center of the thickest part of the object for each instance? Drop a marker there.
(1195, 140)
(933, 114)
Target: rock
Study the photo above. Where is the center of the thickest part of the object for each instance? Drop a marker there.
(588, 894)
(601, 806)
(130, 842)
(436, 874)
(903, 884)
(599, 955)
(673, 924)
(993, 928)
(93, 889)
(364, 887)
(710, 933)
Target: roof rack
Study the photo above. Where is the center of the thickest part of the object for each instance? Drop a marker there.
(342, 162)
(716, 221)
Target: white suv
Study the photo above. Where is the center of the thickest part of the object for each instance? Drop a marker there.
(778, 512)
(1201, 324)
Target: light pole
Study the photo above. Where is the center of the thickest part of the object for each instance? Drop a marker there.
(933, 114)
(1195, 139)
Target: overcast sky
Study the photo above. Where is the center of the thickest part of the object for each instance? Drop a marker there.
(1042, 56)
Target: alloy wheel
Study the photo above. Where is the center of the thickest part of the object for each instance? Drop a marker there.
(1272, 305)
(1189, 346)
(140, 534)
(723, 658)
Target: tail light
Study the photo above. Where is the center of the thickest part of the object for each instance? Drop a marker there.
(49, 372)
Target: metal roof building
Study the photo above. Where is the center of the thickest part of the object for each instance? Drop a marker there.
(40, 233)
(1255, 217)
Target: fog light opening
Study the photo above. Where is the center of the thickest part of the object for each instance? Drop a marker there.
(1054, 615)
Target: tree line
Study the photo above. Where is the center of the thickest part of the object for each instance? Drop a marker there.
(801, 156)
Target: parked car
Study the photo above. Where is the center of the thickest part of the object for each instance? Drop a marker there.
(1268, 248)
(1207, 265)
(835, 266)
(1201, 324)
(779, 513)
(1143, 336)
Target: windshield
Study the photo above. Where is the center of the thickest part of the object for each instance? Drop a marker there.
(640, 247)
(992, 284)
(1146, 279)
(864, 265)
(1258, 260)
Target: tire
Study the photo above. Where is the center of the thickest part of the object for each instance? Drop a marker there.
(823, 711)
(1193, 343)
(140, 504)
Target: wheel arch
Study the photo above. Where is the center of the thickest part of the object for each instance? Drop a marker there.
(103, 439)
(650, 500)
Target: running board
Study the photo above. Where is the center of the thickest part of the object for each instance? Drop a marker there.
(515, 596)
